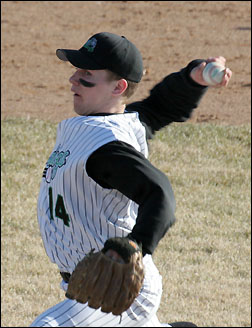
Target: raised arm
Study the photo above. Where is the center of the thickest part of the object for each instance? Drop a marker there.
(176, 96)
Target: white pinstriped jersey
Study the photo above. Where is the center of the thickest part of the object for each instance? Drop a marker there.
(76, 214)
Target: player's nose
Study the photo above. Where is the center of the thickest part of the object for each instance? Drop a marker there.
(73, 79)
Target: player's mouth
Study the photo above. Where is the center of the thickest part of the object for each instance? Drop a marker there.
(77, 97)
(76, 94)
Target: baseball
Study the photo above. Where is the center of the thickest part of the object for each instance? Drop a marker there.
(213, 73)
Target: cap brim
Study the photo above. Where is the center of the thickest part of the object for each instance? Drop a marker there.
(77, 59)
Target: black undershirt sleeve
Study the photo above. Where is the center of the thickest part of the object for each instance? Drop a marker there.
(171, 100)
(118, 165)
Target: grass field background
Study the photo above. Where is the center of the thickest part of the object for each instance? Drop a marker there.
(205, 258)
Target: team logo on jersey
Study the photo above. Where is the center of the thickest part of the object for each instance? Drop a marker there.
(55, 161)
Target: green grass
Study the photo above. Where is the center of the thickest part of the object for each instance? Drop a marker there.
(204, 258)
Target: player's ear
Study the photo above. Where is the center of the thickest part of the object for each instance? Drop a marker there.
(120, 87)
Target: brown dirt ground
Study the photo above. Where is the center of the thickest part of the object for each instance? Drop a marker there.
(168, 33)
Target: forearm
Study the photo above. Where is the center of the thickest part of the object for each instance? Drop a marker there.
(171, 100)
(155, 217)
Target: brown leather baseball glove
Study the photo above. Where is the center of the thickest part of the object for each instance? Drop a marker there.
(105, 283)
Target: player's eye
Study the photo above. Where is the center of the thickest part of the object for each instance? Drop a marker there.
(87, 73)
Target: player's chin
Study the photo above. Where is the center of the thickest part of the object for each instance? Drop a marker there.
(77, 101)
(78, 108)
(78, 111)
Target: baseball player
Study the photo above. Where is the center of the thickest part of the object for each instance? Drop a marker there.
(98, 183)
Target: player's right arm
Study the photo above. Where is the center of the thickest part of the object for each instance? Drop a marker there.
(171, 100)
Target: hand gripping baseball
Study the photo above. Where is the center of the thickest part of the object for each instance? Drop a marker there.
(105, 283)
(198, 76)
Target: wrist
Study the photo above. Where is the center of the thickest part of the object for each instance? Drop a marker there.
(122, 247)
(190, 70)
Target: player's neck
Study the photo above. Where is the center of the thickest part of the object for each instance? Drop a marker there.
(117, 108)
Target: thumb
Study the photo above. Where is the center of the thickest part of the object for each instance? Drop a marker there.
(202, 66)
(197, 74)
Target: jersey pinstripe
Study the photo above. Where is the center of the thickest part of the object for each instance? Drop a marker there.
(75, 214)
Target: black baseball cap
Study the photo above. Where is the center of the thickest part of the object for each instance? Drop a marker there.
(107, 51)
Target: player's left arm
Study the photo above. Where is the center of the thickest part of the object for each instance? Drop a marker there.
(118, 165)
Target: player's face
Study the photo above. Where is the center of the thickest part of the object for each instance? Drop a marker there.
(92, 91)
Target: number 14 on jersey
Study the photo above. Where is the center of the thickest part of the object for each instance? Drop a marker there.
(60, 210)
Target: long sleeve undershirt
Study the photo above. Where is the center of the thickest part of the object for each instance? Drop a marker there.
(118, 165)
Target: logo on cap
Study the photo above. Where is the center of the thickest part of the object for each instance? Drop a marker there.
(90, 44)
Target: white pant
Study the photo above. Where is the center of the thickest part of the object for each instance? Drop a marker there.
(142, 312)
